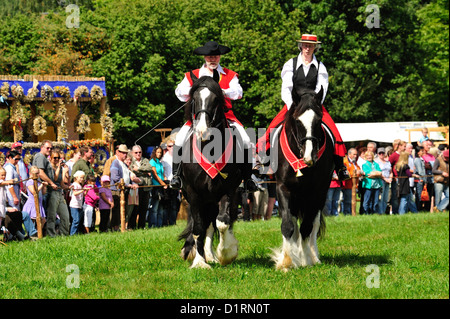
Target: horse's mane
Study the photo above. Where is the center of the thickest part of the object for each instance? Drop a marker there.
(303, 100)
(212, 85)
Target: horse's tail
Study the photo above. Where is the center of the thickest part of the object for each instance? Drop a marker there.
(322, 226)
(188, 251)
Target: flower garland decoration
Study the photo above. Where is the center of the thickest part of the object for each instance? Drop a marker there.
(39, 125)
(81, 91)
(64, 92)
(47, 93)
(17, 91)
(100, 157)
(61, 115)
(4, 90)
(96, 94)
(83, 124)
(107, 123)
(31, 94)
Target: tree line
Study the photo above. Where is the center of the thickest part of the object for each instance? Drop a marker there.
(397, 71)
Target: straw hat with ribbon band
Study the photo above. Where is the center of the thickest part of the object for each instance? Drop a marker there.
(309, 38)
(212, 48)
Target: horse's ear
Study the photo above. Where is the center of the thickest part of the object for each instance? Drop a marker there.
(319, 95)
(297, 94)
(216, 76)
(193, 77)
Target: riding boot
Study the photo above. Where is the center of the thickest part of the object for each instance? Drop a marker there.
(340, 168)
(176, 183)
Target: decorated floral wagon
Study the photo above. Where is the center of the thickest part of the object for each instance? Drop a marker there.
(69, 111)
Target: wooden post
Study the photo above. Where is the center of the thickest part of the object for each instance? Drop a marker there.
(354, 187)
(38, 211)
(122, 205)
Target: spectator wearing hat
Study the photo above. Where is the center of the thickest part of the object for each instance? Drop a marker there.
(305, 71)
(440, 172)
(22, 168)
(119, 170)
(229, 82)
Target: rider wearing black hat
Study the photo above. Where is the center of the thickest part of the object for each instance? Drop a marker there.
(229, 82)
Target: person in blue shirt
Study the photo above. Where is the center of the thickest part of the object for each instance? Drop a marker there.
(157, 210)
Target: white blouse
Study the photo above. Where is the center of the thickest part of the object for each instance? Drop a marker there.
(234, 92)
(288, 71)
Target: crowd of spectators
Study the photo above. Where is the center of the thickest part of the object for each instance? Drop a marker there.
(396, 179)
(74, 198)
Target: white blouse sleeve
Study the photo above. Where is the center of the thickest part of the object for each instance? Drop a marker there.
(322, 80)
(182, 90)
(234, 92)
(286, 86)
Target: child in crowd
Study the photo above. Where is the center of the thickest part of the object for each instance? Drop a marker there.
(76, 202)
(30, 205)
(106, 203)
(91, 199)
(424, 137)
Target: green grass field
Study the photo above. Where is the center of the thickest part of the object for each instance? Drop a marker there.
(409, 258)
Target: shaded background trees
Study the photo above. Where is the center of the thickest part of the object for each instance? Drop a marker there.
(397, 72)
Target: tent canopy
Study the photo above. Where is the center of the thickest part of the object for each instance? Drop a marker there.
(386, 132)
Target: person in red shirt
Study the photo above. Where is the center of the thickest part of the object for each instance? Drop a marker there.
(229, 82)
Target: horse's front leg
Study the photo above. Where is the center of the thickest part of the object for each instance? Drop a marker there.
(289, 255)
(227, 250)
(199, 234)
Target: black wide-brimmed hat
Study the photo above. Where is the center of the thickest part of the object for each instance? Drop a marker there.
(212, 48)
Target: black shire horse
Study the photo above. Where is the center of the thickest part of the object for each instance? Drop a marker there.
(302, 143)
(213, 201)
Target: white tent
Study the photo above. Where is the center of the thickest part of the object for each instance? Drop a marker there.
(385, 132)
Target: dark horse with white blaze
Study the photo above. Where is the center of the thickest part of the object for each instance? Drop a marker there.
(305, 167)
(213, 201)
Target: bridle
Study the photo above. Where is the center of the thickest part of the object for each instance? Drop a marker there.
(195, 114)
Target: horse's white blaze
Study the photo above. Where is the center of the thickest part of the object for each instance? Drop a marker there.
(202, 126)
(227, 250)
(209, 252)
(307, 119)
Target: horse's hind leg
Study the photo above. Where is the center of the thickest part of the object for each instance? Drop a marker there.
(227, 250)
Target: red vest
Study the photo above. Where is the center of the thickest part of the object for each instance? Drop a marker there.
(224, 83)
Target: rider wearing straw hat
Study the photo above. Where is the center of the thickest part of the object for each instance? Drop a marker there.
(229, 82)
(306, 71)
